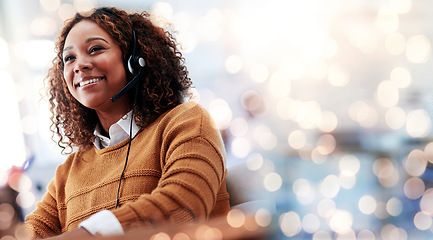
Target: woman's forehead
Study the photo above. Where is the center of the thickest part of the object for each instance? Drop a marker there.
(83, 31)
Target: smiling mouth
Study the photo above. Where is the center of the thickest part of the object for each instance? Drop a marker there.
(90, 81)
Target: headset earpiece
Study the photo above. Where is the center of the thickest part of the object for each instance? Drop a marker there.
(134, 60)
(135, 63)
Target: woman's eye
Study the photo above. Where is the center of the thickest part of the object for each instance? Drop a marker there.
(95, 48)
(68, 58)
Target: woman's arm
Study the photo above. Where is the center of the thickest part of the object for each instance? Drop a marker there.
(193, 171)
(44, 221)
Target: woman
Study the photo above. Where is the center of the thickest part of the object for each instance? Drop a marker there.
(176, 168)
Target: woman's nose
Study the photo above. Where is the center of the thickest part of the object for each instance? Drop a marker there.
(83, 65)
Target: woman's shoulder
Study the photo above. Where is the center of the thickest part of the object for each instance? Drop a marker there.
(189, 112)
(190, 106)
(190, 120)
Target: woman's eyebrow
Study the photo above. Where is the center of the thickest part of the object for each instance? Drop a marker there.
(87, 41)
(67, 48)
(95, 38)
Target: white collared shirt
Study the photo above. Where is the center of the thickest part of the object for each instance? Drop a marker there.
(104, 222)
(117, 132)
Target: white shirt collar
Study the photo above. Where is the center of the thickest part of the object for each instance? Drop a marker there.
(117, 132)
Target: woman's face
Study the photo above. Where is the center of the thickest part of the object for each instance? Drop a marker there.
(93, 66)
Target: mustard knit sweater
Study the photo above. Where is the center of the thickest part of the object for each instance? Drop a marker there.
(175, 174)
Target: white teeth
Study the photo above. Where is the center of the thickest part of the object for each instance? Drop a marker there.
(93, 80)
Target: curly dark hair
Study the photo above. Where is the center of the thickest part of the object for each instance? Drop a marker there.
(164, 86)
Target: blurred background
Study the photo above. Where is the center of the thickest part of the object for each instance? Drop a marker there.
(327, 103)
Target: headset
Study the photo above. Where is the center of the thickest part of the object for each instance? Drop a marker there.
(135, 67)
(134, 62)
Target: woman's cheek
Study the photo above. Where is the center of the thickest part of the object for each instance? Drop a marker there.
(68, 79)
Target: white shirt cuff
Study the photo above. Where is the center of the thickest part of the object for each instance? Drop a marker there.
(103, 223)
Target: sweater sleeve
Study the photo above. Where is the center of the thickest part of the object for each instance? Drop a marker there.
(44, 221)
(193, 171)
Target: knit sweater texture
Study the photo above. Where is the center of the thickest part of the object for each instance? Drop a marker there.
(175, 174)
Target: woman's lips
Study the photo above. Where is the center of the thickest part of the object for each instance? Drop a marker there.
(89, 81)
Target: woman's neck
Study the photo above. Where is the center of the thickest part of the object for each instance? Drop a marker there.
(106, 119)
